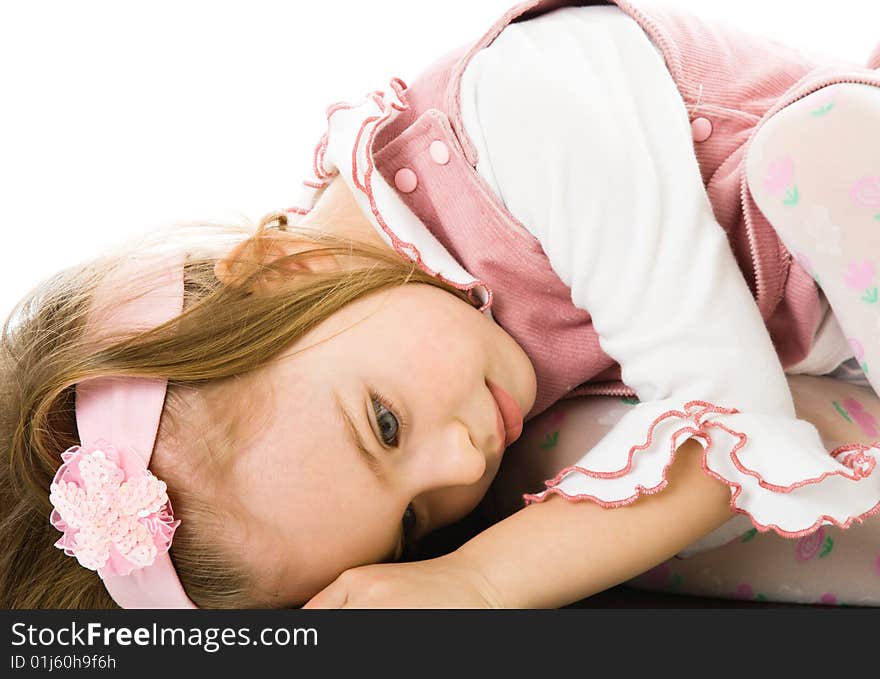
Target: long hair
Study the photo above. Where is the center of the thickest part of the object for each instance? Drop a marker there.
(225, 333)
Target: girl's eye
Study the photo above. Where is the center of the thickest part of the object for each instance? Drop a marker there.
(387, 421)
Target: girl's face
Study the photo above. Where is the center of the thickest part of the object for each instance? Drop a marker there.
(406, 371)
(312, 502)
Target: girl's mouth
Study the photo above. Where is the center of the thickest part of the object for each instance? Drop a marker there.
(511, 414)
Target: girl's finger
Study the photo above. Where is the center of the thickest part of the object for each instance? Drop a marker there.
(332, 596)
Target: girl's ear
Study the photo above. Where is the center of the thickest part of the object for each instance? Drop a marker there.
(259, 251)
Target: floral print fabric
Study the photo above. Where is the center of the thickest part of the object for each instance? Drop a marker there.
(814, 171)
(830, 566)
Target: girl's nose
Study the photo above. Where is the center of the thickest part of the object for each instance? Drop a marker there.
(451, 458)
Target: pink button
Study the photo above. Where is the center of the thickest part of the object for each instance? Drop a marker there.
(701, 128)
(439, 152)
(405, 180)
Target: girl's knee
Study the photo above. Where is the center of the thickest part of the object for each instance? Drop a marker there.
(820, 144)
(825, 126)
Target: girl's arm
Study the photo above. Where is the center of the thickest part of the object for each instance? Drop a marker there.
(553, 553)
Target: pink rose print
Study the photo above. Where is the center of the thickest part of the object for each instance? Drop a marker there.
(860, 275)
(866, 192)
(745, 591)
(859, 350)
(863, 418)
(550, 427)
(828, 598)
(779, 175)
(556, 417)
(808, 546)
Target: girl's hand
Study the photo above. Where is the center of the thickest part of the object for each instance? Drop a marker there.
(444, 582)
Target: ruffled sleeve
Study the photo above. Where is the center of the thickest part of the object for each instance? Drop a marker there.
(616, 199)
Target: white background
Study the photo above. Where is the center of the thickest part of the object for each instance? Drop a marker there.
(116, 117)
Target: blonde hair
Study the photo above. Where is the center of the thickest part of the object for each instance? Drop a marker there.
(226, 332)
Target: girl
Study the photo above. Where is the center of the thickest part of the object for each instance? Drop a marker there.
(595, 200)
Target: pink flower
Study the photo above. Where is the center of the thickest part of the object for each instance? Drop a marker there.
(862, 417)
(115, 515)
(808, 545)
(866, 192)
(828, 598)
(553, 419)
(779, 175)
(859, 275)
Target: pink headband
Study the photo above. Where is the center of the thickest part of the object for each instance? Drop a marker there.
(115, 514)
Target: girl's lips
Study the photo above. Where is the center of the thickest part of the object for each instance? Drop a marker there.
(510, 413)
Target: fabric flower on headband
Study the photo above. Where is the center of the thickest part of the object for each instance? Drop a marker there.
(115, 514)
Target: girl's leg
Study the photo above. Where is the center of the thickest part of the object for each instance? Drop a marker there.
(830, 566)
(814, 171)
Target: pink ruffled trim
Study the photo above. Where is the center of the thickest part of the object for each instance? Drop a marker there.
(408, 250)
(859, 464)
(314, 185)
